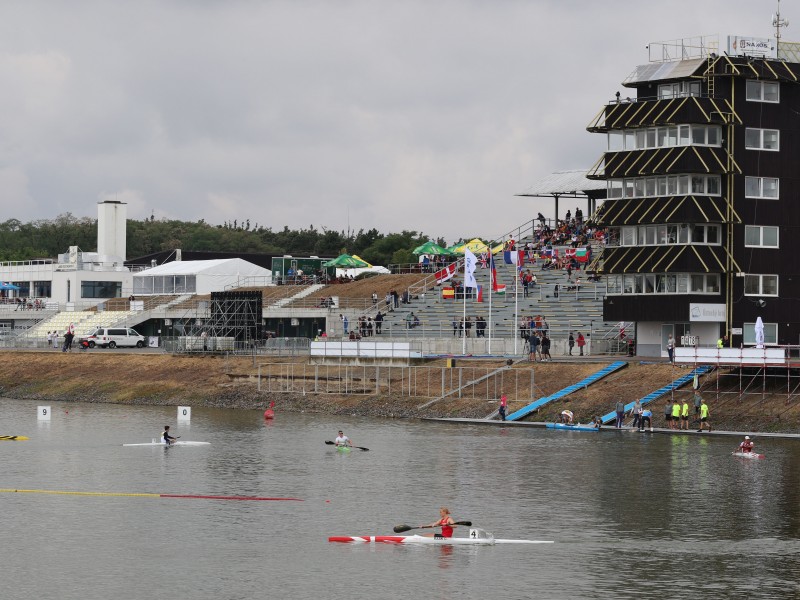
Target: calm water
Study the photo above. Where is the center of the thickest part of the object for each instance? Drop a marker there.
(633, 516)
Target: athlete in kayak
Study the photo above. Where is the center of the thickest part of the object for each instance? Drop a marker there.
(746, 445)
(166, 437)
(445, 522)
(342, 440)
(566, 417)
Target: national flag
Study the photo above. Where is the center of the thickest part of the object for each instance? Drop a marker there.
(480, 293)
(514, 257)
(447, 273)
(470, 264)
(583, 254)
(496, 288)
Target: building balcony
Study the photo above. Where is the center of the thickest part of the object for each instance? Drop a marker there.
(651, 112)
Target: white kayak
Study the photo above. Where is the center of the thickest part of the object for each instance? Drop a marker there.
(749, 455)
(177, 443)
(477, 537)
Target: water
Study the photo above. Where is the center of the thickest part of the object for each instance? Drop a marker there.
(633, 516)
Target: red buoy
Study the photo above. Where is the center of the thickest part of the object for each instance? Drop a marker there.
(269, 413)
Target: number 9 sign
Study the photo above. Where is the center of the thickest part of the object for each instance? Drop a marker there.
(43, 413)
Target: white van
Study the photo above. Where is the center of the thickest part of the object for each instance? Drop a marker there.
(111, 337)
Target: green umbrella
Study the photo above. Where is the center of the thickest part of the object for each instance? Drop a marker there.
(345, 261)
(430, 247)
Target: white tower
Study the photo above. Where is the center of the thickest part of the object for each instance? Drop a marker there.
(112, 229)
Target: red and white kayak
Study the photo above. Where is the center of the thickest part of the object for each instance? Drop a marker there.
(477, 537)
(748, 455)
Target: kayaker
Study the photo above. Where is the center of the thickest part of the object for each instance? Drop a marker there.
(746, 445)
(566, 417)
(342, 440)
(166, 437)
(445, 522)
(597, 422)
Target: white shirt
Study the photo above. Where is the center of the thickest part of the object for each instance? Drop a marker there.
(342, 440)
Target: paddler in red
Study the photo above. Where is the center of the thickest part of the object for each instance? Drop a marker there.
(445, 522)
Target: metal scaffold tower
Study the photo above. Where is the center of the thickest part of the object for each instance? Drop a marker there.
(236, 315)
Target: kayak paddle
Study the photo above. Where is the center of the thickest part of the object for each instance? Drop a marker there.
(330, 443)
(402, 528)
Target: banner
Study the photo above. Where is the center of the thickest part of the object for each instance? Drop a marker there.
(470, 264)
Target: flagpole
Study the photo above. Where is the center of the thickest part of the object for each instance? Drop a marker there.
(491, 285)
(516, 303)
(463, 326)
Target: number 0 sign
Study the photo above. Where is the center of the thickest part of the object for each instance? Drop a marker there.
(184, 413)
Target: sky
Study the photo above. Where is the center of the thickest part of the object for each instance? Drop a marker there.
(343, 115)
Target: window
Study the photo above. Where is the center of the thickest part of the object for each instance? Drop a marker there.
(664, 137)
(761, 187)
(763, 91)
(679, 89)
(101, 289)
(654, 187)
(770, 333)
(42, 289)
(24, 288)
(664, 283)
(760, 285)
(756, 236)
(762, 139)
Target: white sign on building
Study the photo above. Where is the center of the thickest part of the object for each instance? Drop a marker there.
(739, 45)
(706, 312)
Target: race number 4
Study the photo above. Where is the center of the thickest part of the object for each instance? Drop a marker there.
(184, 413)
(43, 413)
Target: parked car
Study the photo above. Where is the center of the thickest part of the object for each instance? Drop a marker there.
(111, 337)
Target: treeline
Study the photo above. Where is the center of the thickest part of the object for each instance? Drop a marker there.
(48, 238)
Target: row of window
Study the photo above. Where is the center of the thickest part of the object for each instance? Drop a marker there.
(663, 283)
(668, 235)
(657, 187)
(664, 137)
(756, 91)
(686, 283)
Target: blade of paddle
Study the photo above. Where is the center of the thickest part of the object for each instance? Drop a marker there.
(330, 443)
(362, 448)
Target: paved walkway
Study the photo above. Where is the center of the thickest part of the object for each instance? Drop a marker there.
(607, 428)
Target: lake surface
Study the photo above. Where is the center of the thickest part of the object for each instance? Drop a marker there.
(633, 515)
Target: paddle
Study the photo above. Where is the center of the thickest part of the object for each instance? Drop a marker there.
(330, 443)
(402, 528)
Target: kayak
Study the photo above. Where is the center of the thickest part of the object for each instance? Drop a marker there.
(12, 438)
(477, 537)
(748, 455)
(178, 443)
(577, 427)
(343, 449)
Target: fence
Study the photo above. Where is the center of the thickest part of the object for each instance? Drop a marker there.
(418, 382)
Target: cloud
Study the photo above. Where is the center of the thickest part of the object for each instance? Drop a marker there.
(405, 115)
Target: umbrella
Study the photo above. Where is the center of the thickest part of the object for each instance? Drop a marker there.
(759, 328)
(475, 246)
(345, 261)
(431, 248)
(8, 286)
(357, 257)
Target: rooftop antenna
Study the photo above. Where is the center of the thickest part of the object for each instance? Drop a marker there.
(778, 22)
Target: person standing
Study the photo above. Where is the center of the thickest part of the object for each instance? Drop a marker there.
(676, 415)
(637, 414)
(620, 409)
(571, 342)
(581, 341)
(534, 343)
(345, 323)
(685, 415)
(671, 348)
(49, 339)
(378, 323)
(704, 412)
(374, 298)
(204, 339)
(503, 407)
(698, 400)
(546, 347)
(55, 340)
(668, 413)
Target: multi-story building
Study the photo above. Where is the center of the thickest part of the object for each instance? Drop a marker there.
(703, 193)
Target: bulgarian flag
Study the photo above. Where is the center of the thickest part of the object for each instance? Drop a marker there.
(496, 288)
(582, 254)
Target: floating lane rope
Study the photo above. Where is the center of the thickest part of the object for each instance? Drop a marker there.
(145, 495)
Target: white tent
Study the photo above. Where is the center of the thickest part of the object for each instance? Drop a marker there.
(199, 277)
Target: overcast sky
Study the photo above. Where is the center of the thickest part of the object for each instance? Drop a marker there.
(419, 115)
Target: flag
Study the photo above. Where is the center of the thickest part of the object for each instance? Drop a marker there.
(514, 257)
(496, 288)
(583, 254)
(446, 273)
(470, 264)
(480, 293)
